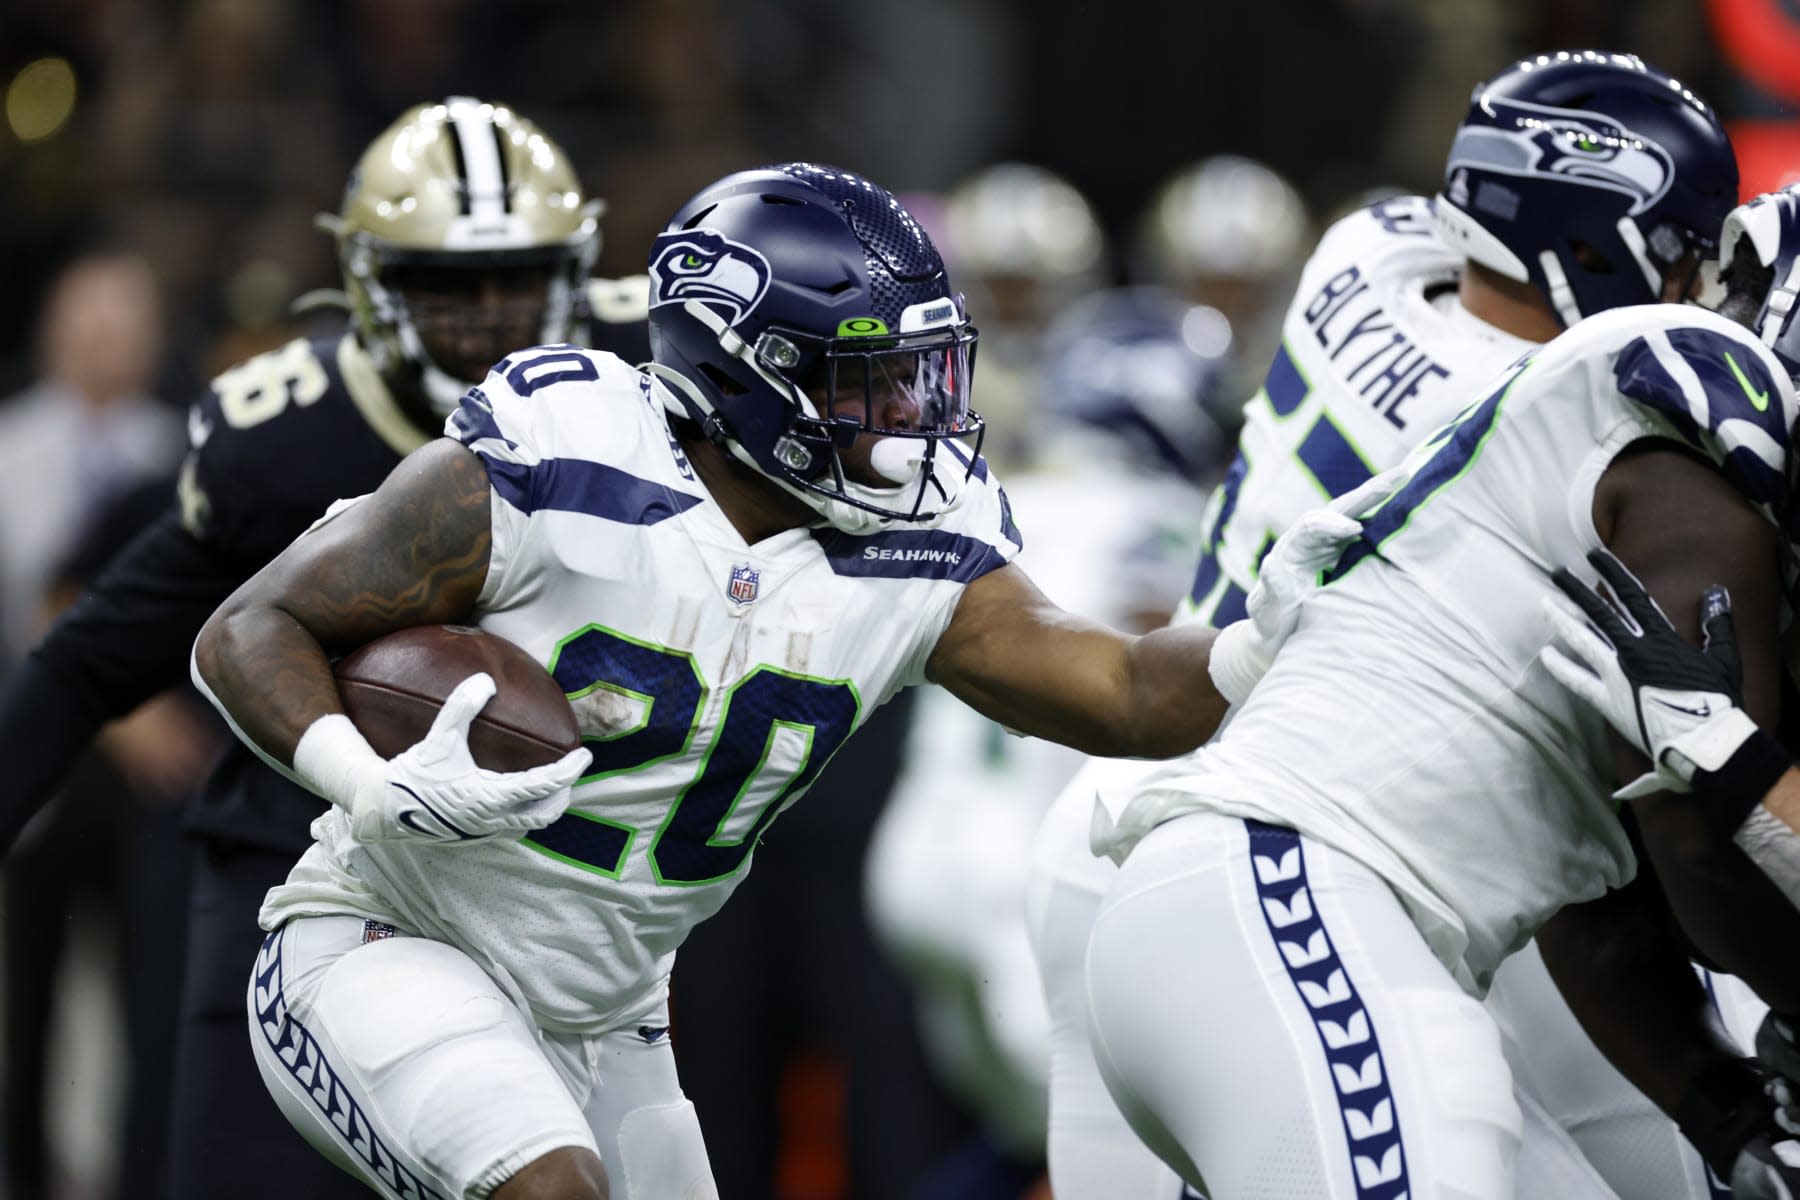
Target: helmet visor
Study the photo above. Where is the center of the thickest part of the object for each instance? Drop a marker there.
(910, 386)
(468, 319)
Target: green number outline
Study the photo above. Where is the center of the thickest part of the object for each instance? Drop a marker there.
(776, 801)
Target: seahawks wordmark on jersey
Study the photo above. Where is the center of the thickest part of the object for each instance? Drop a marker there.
(1451, 700)
(712, 679)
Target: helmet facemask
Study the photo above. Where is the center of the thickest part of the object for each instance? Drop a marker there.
(874, 413)
(442, 318)
(870, 420)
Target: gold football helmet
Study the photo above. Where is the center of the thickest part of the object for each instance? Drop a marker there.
(1225, 216)
(464, 235)
(1023, 241)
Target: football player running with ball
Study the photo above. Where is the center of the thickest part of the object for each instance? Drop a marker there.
(729, 559)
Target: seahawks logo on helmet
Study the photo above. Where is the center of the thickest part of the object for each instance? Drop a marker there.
(1529, 139)
(698, 264)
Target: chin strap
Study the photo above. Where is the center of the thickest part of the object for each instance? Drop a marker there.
(1562, 295)
(443, 392)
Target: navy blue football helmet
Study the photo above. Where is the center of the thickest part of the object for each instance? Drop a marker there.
(1142, 368)
(1771, 225)
(1592, 175)
(795, 309)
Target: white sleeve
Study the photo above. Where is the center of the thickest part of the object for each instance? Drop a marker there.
(1774, 847)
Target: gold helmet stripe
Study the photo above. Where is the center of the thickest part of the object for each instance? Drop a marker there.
(478, 156)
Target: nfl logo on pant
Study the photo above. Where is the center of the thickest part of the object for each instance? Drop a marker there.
(742, 588)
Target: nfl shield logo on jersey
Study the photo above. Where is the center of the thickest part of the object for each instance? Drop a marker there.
(742, 589)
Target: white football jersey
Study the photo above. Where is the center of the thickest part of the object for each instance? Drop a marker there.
(712, 679)
(1408, 721)
(1376, 352)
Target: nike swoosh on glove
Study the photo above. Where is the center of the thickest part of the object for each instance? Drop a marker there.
(1244, 650)
(433, 791)
(1676, 703)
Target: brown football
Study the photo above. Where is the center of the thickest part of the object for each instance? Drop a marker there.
(394, 686)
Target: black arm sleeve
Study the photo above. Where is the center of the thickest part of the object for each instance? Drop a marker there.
(125, 640)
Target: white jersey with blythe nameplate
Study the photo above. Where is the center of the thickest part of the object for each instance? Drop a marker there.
(1408, 721)
(1376, 352)
(712, 681)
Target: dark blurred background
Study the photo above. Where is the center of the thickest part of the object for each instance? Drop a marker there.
(175, 152)
(204, 133)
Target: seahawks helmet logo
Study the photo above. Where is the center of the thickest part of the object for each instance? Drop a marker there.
(698, 264)
(1582, 147)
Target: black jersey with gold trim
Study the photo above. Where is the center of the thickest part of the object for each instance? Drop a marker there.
(273, 441)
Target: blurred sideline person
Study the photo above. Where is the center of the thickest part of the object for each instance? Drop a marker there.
(112, 846)
(1024, 243)
(73, 447)
(1229, 233)
(1403, 309)
(463, 234)
(1357, 893)
(1125, 448)
(86, 433)
(729, 559)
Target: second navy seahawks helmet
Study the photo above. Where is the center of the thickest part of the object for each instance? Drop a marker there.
(795, 309)
(451, 193)
(1592, 175)
(1768, 230)
(1142, 368)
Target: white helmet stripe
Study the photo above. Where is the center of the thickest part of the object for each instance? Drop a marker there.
(479, 142)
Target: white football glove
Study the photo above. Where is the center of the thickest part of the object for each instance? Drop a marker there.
(433, 791)
(1243, 651)
(1677, 704)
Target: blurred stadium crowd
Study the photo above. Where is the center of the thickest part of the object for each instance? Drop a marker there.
(161, 162)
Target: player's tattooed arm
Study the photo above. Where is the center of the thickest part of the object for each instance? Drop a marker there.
(414, 552)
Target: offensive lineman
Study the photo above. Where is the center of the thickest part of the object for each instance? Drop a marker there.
(1403, 310)
(729, 559)
(1345, 895)
(463, 234)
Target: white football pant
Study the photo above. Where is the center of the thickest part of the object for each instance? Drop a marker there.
(1092, 1152)
(1274, 1027)
(403, 1062)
